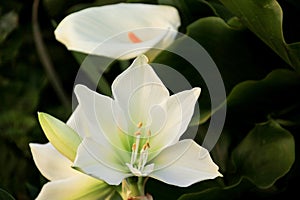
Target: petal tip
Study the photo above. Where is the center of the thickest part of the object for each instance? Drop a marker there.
(32, 146)
(220, 175)
(197, 91)
(41, 116)
(79, 89)
(142, 59)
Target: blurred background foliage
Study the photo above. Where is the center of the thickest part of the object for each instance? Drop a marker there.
(256, 46)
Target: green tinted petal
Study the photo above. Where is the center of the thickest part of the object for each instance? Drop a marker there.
(80, 187)
(61, 136)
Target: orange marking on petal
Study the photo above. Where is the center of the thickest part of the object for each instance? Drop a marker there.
(133, 38)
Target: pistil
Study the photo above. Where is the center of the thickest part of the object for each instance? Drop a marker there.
(143, 156)
(135, 147)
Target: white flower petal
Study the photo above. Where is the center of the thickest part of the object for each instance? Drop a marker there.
(143, 104)
(184, 164)
(100, 162)
(50, 162)
(138, 89)
(157, 119)
(105, 126)
(179, 110)
(78, 122)
(84, 31)
(80, 187)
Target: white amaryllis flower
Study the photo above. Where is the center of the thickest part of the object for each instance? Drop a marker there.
(120, 31)
(65, 182)
(137, 132)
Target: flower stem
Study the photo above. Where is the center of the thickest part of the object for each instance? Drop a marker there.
(45, 58)
(133, 188)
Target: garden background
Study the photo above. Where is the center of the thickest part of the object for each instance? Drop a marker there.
(256, 46)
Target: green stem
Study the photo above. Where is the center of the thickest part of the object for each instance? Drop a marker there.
(133, 188)
(45, 58)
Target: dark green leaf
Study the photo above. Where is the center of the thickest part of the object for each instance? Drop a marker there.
(232, 48)
(5, 195)
(264, 18)
(272, 94)
(265, 154)
(238, 55)
(142, 1)
(92, 70)
(219, 9)
(190, 10)
(218, 192)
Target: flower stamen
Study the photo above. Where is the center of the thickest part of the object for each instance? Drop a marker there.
(148, 133)
(139, 125)
(135, 147)
(143, 156)
(139, 156)
(133, 156)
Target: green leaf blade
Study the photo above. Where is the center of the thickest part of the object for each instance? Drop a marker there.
(265, 18)
(265, 154)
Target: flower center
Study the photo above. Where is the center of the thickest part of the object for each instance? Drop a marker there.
(139, 156)
(133, 38)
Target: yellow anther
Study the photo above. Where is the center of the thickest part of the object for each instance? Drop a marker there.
(140, 124)
(146, 146)
(133, 146)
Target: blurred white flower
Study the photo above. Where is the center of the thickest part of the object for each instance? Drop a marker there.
(120, 31)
